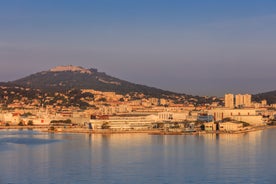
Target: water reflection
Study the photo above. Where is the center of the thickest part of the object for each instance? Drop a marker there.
(138, 158)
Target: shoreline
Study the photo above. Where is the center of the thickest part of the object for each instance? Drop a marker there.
(150, 132)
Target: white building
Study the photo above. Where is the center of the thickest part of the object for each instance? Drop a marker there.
(230, 126)
(250, 116)
(171, 116)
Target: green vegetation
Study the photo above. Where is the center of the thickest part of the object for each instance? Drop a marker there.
(269, 96)
(20, 123)
(227, 119)
(64, 89)
(64, 81)
(27, 114)
(245, 124)
(272, 123)
(30, 123)
(68, 121)
(52, 128)
(102, 100)
(105, 125)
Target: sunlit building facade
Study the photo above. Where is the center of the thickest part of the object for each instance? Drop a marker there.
(243, 100)
(229, 100)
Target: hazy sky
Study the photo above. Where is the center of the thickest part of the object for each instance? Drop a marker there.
(204, 47)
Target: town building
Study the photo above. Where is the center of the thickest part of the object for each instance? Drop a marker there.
(210, 126)
(264, 103)
(172, 116)
(251, 116)
(229, 100)
(230, 126)
(238, 101)
(243, 100)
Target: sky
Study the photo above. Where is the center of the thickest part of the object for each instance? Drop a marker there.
(195, 47)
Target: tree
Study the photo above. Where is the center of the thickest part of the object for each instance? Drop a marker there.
(27, 114)
(105, 125)
(20, 123)
(102, 99)
(68, 121)
(30, 123)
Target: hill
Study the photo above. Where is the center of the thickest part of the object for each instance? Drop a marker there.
(64, 78)
(269, 96)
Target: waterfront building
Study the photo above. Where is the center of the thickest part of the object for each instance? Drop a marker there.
(202, 117)
(210, 126)
(37, 120)
(251, 116)
(220, 114)
(172, 116)
(138, 122)
(11, 118)
(230, 126)
(254, 120)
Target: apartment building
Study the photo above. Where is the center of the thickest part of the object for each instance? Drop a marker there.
(229, 100)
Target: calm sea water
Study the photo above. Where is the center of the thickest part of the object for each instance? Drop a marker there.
(33, 157)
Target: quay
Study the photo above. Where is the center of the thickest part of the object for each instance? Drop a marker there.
(107, 131)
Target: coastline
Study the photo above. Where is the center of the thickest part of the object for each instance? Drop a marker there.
(106, 131)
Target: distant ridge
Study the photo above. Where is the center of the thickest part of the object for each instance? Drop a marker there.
(63, 78)
(269, 96)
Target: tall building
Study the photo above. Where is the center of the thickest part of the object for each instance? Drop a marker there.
(239, 100)
(229, 100)
(243, 100)
(247, 100)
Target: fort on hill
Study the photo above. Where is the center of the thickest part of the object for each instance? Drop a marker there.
(70, 68)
